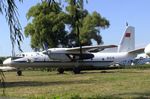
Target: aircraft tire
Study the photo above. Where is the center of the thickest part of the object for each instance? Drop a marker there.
(19, 73)
(76, 70)
(60, 70)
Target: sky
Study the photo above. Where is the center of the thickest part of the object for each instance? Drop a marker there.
(118, 12)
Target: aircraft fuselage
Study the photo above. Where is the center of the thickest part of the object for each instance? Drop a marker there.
(99, 60)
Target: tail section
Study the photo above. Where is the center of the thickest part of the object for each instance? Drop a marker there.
(128, 40)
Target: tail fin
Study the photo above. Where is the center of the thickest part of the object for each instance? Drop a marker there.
(128, 41)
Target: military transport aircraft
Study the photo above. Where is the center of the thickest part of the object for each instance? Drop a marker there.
(92, 56)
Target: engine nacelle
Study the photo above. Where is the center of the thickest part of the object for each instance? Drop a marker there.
(69, 56)
(147, 50)
(58, 56)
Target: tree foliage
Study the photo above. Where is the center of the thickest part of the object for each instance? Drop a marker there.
(50, 24)
(89, 24)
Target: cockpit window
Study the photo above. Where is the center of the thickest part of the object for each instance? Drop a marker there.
(21, 55)
(17, 55)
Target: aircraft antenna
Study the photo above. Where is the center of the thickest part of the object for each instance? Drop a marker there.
(127, 24)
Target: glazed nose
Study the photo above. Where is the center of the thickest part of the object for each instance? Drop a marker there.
(7, 61)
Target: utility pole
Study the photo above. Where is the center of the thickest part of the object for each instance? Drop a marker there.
(77, 22)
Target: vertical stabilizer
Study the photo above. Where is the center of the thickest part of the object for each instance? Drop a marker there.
(127, 42)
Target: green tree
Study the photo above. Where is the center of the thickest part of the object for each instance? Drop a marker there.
(48, 25)
(89, 24)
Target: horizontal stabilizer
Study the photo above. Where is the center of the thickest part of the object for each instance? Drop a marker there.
(137, 51)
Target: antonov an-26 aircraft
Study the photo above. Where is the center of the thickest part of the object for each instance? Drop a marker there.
(92, 56)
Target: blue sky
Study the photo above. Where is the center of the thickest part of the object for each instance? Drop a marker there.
(118, 12)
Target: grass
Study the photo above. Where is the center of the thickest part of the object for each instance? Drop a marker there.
(113, 84)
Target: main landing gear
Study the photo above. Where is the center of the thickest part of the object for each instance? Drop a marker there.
(19, 72)
(60, 70)
(76, 70)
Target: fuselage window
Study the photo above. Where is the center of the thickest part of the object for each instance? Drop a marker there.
(103, 59)
(38, 54)
(23, 55)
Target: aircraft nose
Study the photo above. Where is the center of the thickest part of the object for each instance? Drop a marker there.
(7, 61)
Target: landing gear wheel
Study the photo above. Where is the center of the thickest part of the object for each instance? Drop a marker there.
(19, 73)
(60, 70)
(76, 70)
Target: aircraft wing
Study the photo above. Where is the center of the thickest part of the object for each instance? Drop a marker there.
(137, 51)
(90, 48)
(74, 53)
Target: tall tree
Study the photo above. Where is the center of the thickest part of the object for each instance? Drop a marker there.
(47, 25)
(89, 24)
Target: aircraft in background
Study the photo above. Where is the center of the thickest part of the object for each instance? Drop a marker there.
(141, 59)
(92, 56)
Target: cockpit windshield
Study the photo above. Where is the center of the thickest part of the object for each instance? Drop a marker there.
(20, 55)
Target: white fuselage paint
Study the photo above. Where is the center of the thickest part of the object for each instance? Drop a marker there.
(42, 60)
(64, 57)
